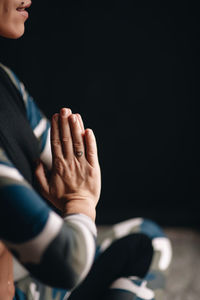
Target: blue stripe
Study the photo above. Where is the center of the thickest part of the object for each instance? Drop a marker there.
(17, 81)
(23, 214)
(33, 113)
(19, 295)
(60, 292)
(151, 229)
(137, 282)
(6, 163)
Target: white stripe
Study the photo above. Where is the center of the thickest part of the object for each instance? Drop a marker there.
(141, 291)
(10, 74)
(67, 296)
(10, 172)
(40, 128)
(19, 271)
(123, 228)
(46, 155)
(34, 293)
(164, 246)
(32, 251)
(106, 243)
(24, 93)
(82, 223)
(87, 221)
(90, 250)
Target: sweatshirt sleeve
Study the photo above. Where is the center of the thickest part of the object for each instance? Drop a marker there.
(58, 252)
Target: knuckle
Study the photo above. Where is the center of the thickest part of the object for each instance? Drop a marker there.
(55, 142)
(78, 147)
(59, 165)
(70, 164)
(92, 173)
(65, 139)
(77, 144)
(92, 153)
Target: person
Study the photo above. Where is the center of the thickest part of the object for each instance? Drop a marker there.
(49, 187)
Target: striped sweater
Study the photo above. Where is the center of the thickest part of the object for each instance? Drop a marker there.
(57, 251)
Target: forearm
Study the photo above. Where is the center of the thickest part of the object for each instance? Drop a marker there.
(57, 252)
(6, 274)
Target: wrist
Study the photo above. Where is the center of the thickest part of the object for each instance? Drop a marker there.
(80, 206)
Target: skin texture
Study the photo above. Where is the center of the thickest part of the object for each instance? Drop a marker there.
(6, 274)
(11, 18)
(75, 181)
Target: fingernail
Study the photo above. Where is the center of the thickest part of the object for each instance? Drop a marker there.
(64, 112)
(74, 118)
(56, 116)
(89, 131)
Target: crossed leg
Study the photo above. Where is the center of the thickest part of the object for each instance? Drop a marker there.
(133, 258)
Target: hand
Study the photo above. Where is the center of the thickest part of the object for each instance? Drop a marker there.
(75, 181)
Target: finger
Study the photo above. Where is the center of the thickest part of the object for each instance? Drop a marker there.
(55, 137)
(91, 147)
(65, 133)
(81, 123)
(76, 132)
(41, 178)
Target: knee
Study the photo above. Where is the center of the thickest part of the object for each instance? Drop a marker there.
(162, 247)
(151, 229)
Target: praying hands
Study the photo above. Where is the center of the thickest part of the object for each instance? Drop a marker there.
(74, 183)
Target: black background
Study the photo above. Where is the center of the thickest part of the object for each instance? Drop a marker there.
(130, 68)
